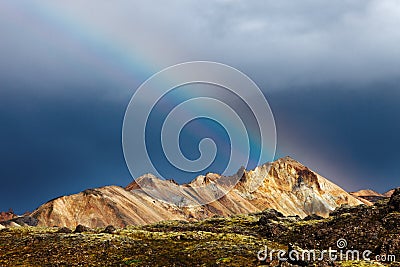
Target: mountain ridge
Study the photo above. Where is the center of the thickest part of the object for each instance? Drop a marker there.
(285, 185)
(369, 196)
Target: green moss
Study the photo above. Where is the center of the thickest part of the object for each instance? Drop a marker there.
(232, 241)
(130, 262)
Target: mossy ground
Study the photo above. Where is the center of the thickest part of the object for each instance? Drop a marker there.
(232, 241)
(131, 246)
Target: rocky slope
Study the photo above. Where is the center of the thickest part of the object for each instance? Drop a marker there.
(368, 196)
(284, 185)
(366, 192)
(389, 193)
(7, 215)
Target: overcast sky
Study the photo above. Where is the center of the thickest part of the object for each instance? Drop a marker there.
(330, 71)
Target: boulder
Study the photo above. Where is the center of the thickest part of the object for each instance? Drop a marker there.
(313, 217)
(81, 228)
(110, 229)
(394, 202)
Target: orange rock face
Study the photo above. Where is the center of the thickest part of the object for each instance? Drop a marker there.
(389, 193)
(369, 196)
(7, 215)
(284, 185)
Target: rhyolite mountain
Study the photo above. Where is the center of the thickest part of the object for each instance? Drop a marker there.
(389, 193)
(370, 196)
(284, 185)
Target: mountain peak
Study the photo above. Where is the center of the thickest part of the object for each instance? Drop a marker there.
(284, 185)
(290, 161)
(146, 180)
(286, 158)
(389, 193)
(366, 193)
(370, 195)
(203, 180)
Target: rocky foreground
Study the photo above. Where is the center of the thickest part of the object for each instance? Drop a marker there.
(219, 241)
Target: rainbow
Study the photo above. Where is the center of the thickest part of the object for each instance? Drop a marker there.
(73, 33)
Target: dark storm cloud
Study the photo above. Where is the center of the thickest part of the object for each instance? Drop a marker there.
(286, 43)
(281, 43)
(330, 71)
(50, 147)
(348, 135)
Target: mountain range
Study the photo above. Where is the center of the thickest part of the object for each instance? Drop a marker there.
(284, 185)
